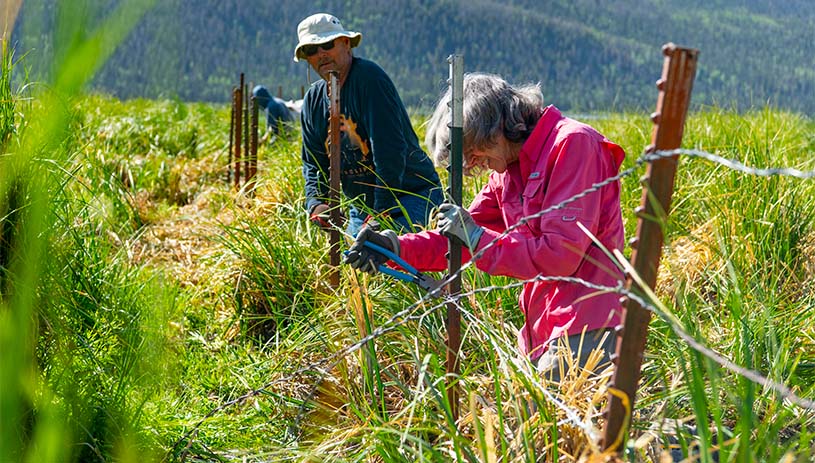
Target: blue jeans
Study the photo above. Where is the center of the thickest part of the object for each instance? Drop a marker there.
(414, 209)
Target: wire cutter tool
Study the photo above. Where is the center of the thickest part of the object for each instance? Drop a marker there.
(410, 274)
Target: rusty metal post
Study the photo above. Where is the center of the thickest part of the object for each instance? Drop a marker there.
(231, 136)
(246, 150)
(456, 82)
(334, 177)
(253, 142)
(238, 132)
(675, 85)
(280, 91)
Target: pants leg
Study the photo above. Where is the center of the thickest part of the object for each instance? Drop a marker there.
(413, 209)
(549, 363)
(416, 208)
(356, 220)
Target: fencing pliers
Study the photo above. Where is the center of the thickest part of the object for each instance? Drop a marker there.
(410, 274)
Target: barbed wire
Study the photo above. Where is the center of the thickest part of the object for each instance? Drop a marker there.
(737, 165)
(784, 391)
(323, 366)
(526, 367)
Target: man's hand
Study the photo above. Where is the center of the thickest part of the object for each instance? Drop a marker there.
(366, 259)
(321, 216)
(456, 223)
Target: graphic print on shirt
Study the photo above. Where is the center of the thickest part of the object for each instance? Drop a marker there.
(349, 127)
(355, 151)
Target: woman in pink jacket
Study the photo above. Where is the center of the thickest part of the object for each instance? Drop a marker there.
(538, 158)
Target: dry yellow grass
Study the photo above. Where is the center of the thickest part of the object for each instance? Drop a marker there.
(184, 241)
(686, 259)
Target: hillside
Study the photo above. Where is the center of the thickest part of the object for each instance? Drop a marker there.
(588, 54)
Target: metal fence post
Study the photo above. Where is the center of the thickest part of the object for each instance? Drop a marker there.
(675, 85)
(334, 177)
(456, 82)
(246, 151)
(253, 142)
(231, 136)
(238, 134)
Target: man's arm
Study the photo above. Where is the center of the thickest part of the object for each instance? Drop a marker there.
(266, 136)
(314, 158)
(314, 174)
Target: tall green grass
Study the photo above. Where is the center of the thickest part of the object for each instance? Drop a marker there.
(81, 328)
(8, 104)
(150, 311)
(736, 280)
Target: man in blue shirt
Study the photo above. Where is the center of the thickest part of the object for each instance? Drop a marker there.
(276, 110)
(384, 171)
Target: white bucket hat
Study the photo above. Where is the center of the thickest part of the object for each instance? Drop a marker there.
(321, 28)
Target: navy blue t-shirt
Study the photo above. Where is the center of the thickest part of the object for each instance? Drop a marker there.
(276, 111)
(381, 156)
(275, 108)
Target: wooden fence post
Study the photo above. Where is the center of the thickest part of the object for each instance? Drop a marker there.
(238, 133)
(334, 177)
(246, 151)
(231, 136)
(253, 142)
(675, 85)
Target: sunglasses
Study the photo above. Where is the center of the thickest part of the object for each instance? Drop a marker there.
(311, 50)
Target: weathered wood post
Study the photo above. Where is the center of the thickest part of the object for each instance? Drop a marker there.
(231, 135)
(247, 123)
(675, 85)
(238, 133)
(253, 142)
(334, 177)
(456, 166)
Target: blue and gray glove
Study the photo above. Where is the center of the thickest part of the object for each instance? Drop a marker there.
(456, 223)
(366, 259)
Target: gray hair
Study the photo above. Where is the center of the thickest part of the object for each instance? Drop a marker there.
(492, 107)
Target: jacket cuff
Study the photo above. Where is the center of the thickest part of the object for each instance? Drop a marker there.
(487, 236)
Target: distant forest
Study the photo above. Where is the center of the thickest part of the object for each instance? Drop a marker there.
(589, 55)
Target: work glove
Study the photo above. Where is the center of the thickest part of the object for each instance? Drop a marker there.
(366, 259)
(321, 216)
(456, 223)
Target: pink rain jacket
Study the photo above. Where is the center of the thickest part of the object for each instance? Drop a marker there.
(561, 158)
